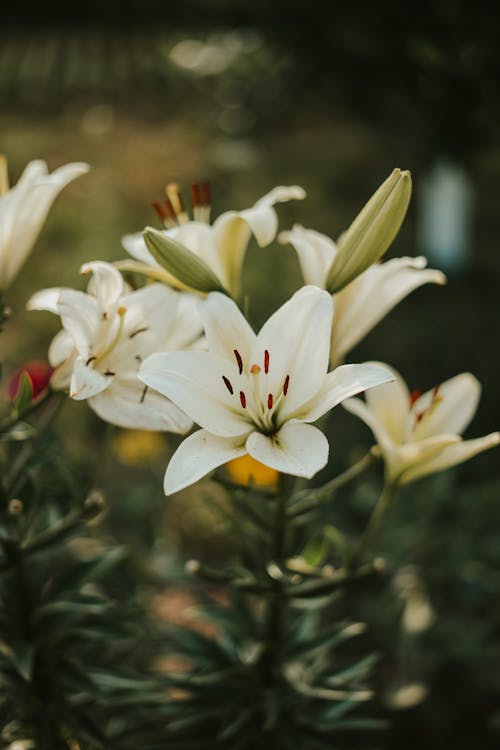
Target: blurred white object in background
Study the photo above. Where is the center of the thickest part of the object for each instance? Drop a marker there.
(445, 215)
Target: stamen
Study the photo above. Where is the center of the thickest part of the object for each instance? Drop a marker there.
(415, 395)
(205, 201)
(139, 330)
(266, 361)
(243, 400)
(143, 395)
(174, 196)
(286, 384)
(238, 360)
(270, 401)
(196, 201)
(90, 360)
(4, 175)
(228, 385)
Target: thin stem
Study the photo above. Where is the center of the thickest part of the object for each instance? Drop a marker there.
(310, 499)
(10, 422)
(380, 509)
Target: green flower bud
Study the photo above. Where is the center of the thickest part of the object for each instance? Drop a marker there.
(181, 262)
(372, 231)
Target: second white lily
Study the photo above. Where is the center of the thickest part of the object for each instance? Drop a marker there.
(363, 303)
(257, 394)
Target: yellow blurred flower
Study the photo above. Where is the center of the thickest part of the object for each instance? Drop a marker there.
(133, 447)
(247, 470)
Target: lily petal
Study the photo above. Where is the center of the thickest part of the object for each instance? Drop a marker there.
(451, 456)
(87, 382)
(455, 404)
(196, 456)
(226, 329)
(345, 381)
(297, 449)
(80, 317)
(359, 408)
(45, 299)
(61, 347)
(297, 338)
(194, 382)
(106, 284)
(365, 301)
(315, 252)
(128, 403)
(390, 405)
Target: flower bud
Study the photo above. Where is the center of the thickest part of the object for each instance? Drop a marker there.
(181, 262)
(38, 373)
(372, 231)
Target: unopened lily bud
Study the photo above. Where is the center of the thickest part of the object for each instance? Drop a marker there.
(181, 262)
(372, 231)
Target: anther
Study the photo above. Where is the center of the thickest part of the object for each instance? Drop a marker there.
(228, 385)
(270, 401)
(90, 360)
(139, 330)
(243, 400)
(266, 361)
(238, 360)
(143, 395)
(415, 395)
(286, 384)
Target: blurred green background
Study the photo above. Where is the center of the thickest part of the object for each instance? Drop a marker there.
(332, 97)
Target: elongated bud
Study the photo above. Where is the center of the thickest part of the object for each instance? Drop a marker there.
(372, 231)
(181, 262)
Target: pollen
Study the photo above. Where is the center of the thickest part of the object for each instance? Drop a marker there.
(266, 361)
(286, 384)
(270, 401)
(228, 385)
(243, 399)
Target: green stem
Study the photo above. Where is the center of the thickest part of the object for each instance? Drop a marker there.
(310, 499)
(381, 507)
(10, 422)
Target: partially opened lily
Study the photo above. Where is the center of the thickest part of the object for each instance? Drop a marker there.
(106, 335)
(360, 305)
(24, 208)
(257, 394)
(222, 245)
(419, 434)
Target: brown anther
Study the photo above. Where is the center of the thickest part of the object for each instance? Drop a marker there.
(415, 395)
(228, 385)
(143, 395)
(243, 399)
(270, 401)
(238, 360)
(286, 384)
(139, 330)
(266, 361)
(90, 360)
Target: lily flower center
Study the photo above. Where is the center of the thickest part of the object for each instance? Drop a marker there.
(436, 399)
(171, 209)
(252, 395)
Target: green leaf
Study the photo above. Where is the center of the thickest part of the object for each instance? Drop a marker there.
(24, 394)
(181, 262)
(316, 550)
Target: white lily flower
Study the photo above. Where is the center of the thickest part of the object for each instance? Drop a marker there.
(421, 434)
(24, 208)
(222, 245)
(363, 303)
(106, 335)
(257, 394)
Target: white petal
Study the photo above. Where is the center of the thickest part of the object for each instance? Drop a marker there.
(106, 283)
(196, 456)
(45, 299)
(315, 252)
(87, 382)
(80, 317)
(367, 299)
(297, 449)
(61, 377)
(61, 347)
(359, 408)
(390, 404)
(345, 381)
(451, 456)
(136, 247)
(153, 307)
(456, 404)
(297, 338)
(193, 381)
(232, 232)
(227, 329)
(187, 326)
(128, 403)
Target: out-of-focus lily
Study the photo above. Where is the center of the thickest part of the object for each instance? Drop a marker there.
(360, 305)
(257, 394)
(106, 335)
(219, 248)
(24, 208)
(419, 434)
